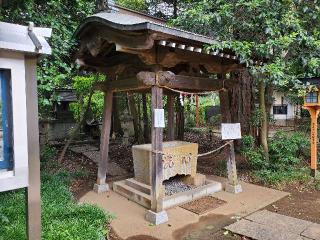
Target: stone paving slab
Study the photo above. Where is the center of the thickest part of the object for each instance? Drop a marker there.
(275, 220)
(130, 217)
(261, 232)
(266, 225)
(312, 232)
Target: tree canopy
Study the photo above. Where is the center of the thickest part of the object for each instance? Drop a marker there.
(63, 16)
(284, 34)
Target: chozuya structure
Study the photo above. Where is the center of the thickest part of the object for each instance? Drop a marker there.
(140, 53)
(20, 48)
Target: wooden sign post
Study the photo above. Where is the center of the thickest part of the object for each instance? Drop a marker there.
(314, 113)
(231, 131)
(312, 104)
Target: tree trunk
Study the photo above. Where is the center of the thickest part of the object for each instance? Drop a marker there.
(225, 106)
(116, 123)
(180, 120)
(264, 119)
(269, 102)
(146, 129)
(77, 128)
(242, 102)
(135, 118)
(237, 103)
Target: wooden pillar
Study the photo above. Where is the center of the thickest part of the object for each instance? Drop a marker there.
(33, 190)
(101, 185)
(156, 142)
(170, 103)
(314, 113)
(232, 185)
(197, 111)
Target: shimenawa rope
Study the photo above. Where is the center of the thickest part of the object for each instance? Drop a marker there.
(199, 155)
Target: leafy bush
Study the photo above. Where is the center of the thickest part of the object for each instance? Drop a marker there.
(254, 155)
(285, 152)
(62, 217)
(47, 152)
(277, 177)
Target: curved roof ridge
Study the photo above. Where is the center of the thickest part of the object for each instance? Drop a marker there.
(128, 22)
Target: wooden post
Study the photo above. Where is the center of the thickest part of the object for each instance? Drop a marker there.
(156, 142)
(170, 103)
(197, 111)
(33, 190)
(314, 113)
(232, 185)
(101, 185)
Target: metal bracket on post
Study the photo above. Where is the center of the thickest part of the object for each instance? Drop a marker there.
(34, 37)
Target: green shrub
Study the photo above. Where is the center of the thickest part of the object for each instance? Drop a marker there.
(285, 152)
(62, 217)
(253, 155)
(47, 153)
(278, 177)
(247, 143)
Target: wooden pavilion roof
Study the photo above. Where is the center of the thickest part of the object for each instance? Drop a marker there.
(123, 44)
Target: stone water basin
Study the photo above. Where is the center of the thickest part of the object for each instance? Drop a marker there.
(180, 158)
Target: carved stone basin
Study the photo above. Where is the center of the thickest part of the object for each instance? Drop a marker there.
(180, 158)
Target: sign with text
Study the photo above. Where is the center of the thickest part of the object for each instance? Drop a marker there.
(159, 118)
(230, 131)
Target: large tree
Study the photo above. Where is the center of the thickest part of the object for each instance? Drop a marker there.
(285, 35)
(63, 16)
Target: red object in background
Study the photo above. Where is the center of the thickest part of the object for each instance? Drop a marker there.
(197, 111)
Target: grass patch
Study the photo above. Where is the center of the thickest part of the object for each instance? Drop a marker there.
(62, 217)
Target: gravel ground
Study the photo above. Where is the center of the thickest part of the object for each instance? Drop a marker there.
(176, 185)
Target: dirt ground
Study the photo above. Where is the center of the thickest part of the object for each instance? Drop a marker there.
(303, 202)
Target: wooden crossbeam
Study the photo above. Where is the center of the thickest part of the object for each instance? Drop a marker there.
(145, 80)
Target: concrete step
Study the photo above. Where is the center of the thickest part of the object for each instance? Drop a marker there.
(138, 186)
(133, 194)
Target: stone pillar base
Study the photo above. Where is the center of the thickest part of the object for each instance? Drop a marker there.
(156, 218)
(315, 174)
(233, 188)
(101, 188)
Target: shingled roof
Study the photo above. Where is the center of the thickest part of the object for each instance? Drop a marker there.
(126, 22)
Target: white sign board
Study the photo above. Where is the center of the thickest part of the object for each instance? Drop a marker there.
(159, 118)
(230, 131)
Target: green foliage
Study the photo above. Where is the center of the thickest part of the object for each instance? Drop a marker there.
(83, 86)
(47, 153)
(63, 17)
(284, 162)
(285, 150)
(138, 5)
(62, 217)
(285, 34)
(204, 102)
(278, 177)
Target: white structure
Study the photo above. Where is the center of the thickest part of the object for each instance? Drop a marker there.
(282, 109)
(20, 47)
